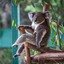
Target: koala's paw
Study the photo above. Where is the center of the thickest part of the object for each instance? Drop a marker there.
(14, 45)
(16, 55)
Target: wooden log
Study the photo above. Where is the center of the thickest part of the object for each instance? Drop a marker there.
(50, 56)
(27, 50)
(48, 60)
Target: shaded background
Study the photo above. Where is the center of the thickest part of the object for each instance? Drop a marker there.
(5, 32)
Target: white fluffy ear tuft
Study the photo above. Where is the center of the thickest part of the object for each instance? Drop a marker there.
(30, 16)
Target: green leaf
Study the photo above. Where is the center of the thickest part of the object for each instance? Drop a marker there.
(62, 43)
(48, 2)
(12, 22)
(17, 1)
(61, 2)
(32, 3)
(36, 52)
(53, 39)
(30, 8)
(53, 26)
(61, 28)
(54, 42)
(53, 3)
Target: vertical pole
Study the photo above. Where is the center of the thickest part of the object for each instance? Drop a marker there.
(27, 51)
(14, 30)
(18, 13)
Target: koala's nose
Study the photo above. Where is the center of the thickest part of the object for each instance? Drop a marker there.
(36, 19)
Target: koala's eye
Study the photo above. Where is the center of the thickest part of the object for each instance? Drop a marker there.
(43, 14)
(35, 19)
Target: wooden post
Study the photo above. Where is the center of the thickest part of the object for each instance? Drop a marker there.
(27, 50)
(50, 56)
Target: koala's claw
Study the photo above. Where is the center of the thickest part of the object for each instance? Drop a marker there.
(16, 55)
(14, 45)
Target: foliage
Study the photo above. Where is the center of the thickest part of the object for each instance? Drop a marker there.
(5, 56)
(57, 11)
(13, 23)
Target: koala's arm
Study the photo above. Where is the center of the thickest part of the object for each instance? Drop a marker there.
(28, 28)
(40, 37)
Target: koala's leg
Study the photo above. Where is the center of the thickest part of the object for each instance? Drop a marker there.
(24, 38)
(20, 41)
(19, 51)
(40, 37)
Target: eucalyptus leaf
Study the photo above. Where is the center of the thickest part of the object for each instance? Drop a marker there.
(30, 8)
(53, 39)
(32, 3)
(54, 42)
(53, 2)
(36, 52)
(17, 1)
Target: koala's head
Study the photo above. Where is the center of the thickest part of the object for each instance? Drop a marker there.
(38, 16)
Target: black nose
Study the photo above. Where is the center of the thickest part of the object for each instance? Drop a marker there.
(36, 20)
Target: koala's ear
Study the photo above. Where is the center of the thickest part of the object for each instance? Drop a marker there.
(31, 15)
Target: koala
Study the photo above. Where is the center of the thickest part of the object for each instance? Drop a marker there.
(38, 32)
(40, 29)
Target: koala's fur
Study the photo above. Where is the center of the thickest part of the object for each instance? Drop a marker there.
(40, 24)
